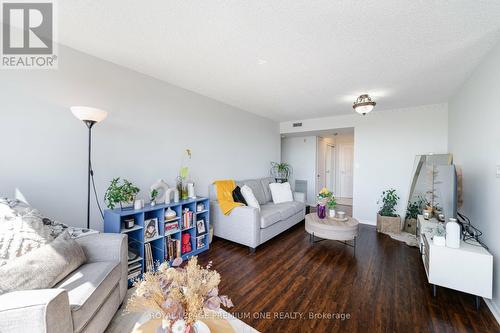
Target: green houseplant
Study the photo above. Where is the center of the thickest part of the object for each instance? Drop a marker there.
(153, 195)
(281, 171)
(388, 221)
(331, 203)
(412, 211)
(120, 192)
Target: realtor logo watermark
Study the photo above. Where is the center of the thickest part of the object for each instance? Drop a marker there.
(28, 31)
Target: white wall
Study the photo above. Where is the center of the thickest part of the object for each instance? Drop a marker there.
(474, 140)
(150, 123)
(300, 153)
(385, 145)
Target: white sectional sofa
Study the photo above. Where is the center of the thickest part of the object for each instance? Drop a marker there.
(250, 226)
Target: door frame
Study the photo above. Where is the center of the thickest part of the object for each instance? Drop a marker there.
(340, 163)
(333, 161)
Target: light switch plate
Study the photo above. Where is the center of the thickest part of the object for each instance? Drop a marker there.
(498, 171)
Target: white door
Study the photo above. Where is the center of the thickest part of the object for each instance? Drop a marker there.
(346, 156)
(330, 168)
(320, 164)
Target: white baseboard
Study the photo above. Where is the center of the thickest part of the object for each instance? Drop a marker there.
(369, 222)
(493, 308)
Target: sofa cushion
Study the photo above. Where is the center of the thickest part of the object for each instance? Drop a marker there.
(265, 187)
(273, 213)
(44, 267)
(88, 288)
(238, 197)
(257, 189)
(21, 230)
(286, 209)
(269, 215)
(281, 192)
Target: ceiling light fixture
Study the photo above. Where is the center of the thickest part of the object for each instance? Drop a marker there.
(363, 104)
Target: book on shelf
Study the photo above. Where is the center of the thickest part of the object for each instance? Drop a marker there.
(134, 266)
(200, 241)
(173, 247)
(134, 274)
(171, 226)
(187, 219)
(149, 257)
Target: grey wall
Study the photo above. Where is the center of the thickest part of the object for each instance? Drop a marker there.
(149, 125)
(474, 140)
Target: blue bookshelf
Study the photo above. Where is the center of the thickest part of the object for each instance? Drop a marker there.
(114, 223)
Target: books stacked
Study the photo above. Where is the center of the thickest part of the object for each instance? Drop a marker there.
(149, 257)
(187, 218)
(173, 247)
(134, 264)
(171, 227)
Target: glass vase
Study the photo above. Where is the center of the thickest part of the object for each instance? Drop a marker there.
(321, 210)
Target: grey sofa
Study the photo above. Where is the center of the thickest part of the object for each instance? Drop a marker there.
(251, 227)
(85, 301)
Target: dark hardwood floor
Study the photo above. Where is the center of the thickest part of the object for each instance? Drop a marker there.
(382, 289)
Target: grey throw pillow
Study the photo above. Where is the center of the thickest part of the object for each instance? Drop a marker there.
(44, 267)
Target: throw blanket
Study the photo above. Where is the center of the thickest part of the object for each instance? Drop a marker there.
(225, 195)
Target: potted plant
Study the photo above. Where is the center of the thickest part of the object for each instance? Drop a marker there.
(412, 211)
(281, 171)
(439, 238)
(120, 192)
(153, 195)
(332, 203)
(387, 219)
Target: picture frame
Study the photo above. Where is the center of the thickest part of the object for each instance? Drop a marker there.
(200, 242)
(150, 229)
(200, 227)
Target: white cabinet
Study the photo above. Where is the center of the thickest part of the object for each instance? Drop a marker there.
(468, 268)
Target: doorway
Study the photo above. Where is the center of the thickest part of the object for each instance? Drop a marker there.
(330, 167)
(346, 158)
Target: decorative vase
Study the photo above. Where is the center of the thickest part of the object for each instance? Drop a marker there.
(331, 212)
(452, 233)
(170, 214)
(180, 327)
(321, 210)
(153, 202)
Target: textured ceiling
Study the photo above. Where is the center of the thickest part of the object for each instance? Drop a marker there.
(291, 59)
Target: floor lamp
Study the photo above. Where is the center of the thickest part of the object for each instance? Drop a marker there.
(90, 116)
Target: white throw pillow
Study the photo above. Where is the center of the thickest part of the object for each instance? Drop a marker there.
(281, 192)
(250, 198)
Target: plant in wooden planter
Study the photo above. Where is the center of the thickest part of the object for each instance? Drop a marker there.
(387, 219)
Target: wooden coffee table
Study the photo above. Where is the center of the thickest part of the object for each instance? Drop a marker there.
(332, 229)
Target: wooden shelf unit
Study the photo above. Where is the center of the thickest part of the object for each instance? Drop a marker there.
(113, 223)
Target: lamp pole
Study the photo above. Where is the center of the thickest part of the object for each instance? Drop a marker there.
(90, 172)
(90, 116)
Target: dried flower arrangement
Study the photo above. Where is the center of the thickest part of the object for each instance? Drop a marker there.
(180, 295)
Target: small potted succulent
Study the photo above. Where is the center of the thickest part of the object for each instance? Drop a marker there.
(153, 195)
(120, 192)
(332, 203)
(439, 238)
(387, 219)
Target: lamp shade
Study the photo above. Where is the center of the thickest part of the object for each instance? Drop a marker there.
(85, 113)
(363, 104)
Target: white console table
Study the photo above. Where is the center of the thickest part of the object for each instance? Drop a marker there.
(468, 269)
